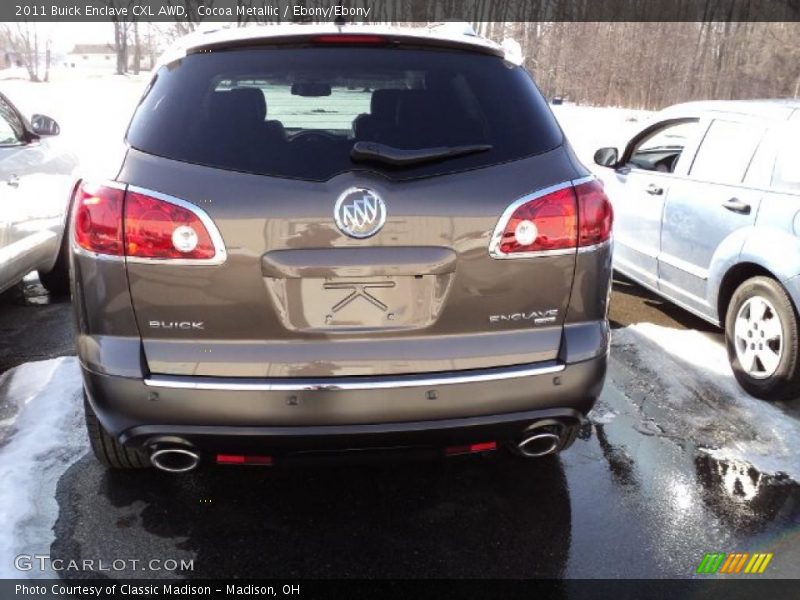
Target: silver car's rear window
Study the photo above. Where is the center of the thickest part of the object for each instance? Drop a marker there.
(297, 112)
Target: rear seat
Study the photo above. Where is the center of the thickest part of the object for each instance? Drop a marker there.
(382, 115)
(425, 118)
(236, 125)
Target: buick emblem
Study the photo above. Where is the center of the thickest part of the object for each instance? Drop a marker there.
(359, 212)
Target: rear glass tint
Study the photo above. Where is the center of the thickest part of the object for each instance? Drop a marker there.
(726, 151)
(786, 174)
(296, 112)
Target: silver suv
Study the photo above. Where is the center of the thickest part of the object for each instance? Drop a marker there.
(36, 173)
(707, 199)
(325, 238)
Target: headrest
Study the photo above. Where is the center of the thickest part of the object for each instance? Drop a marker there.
(384, 104)
(419, 108)
(246, 104)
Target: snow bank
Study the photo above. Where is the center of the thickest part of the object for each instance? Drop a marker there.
(44, 435)
(696, 388)
(590, 127)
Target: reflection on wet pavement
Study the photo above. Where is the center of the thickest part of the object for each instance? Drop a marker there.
(468, 517)
(744, 498)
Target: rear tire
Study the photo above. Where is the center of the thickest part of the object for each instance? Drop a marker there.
(107, 449)
(761, 335)
(56, 280)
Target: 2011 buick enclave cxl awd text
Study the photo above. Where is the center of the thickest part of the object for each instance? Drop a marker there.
(332, 238)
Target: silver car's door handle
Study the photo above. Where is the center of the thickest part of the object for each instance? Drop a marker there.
(13, 181)
(737, 206)
(654, 190)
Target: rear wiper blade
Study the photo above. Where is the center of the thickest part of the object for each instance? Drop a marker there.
(401, 156)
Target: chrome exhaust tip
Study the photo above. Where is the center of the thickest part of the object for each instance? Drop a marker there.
(175, 459)
(538, 444)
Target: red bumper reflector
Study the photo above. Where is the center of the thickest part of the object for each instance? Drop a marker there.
(241, 459)
(470, 448)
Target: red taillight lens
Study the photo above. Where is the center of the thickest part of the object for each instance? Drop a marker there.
(98, 218)
(109, 221)
(595, 215)
(548, 222)
(158, 229)
(564, 219)
(349, 39)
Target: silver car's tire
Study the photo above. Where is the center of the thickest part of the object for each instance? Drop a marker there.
(56, 280)
(761, 335)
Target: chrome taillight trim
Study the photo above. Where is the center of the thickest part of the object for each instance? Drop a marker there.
(497, 234)
(220, 253)
(73, 243)
(351, 383)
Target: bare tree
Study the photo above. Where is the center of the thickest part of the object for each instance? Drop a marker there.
(651, 65)
(25, 41)
(137, 49)
(122, 29)
(183, 26)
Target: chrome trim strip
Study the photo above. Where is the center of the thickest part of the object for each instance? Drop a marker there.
(497, 234)
(594, 247)
(349, 383)
(582, 180)
(220, 253)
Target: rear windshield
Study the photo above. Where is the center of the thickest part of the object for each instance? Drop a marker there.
(297, 112)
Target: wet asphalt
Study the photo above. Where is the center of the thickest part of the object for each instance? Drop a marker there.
(635, 497)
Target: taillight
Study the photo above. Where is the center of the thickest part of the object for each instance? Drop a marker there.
(155, 228)
(97, 213)
(554, 222)
(595, 215)
(142, 226)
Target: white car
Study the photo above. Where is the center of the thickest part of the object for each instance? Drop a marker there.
(36, 178)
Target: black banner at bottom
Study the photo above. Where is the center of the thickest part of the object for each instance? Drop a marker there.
(320, 589)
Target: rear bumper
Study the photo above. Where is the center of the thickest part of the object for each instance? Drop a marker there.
(292, 415)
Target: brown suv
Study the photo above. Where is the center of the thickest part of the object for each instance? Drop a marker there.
(328, 238)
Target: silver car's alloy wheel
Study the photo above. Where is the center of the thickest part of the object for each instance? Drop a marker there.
(758, 335)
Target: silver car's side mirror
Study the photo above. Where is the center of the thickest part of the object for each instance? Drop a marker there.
(606, 157)
(44, 125)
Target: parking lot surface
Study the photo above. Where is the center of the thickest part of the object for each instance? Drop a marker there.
(674, 462)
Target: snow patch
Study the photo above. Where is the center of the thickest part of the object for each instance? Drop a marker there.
(702, 391)
(602, 414)
(591, 127)
(46, 436)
